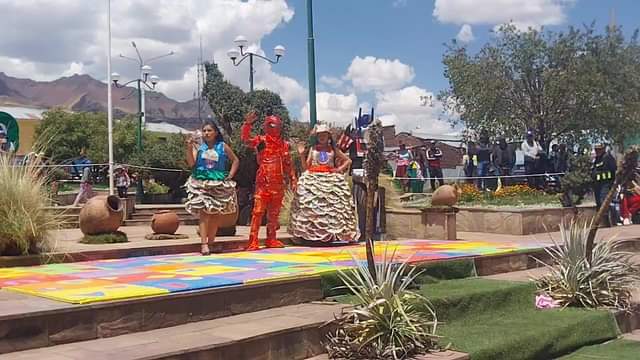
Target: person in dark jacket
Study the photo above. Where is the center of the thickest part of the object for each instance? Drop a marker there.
(434, 155)
(484, 161)
(603, 172)
(503, 158)
(471, 163)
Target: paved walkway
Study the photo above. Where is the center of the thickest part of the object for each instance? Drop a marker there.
(66, 241)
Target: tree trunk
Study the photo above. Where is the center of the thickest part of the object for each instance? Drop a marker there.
(370, 221)
(604, 208)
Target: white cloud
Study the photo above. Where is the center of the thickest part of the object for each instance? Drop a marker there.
(523, 13)
(371, 74)
(399, 3)
(465, 35)
(331, 81)
(333, 108)
(44, 41)
(404, 109)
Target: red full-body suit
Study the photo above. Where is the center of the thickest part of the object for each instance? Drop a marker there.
(274, 169)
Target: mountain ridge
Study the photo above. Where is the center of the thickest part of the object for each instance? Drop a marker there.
(85, 93)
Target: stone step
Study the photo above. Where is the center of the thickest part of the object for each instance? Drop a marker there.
(28, 322)
(285, 333)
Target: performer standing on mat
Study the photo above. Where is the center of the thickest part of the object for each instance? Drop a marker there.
(275, 169)
(323, 210)
(211, 192)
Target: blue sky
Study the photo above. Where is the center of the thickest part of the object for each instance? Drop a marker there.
(382, 53)
(407, 31)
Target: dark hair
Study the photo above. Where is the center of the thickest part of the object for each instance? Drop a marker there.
(209, 122)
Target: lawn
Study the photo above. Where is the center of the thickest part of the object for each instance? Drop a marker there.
(494, 320)
(618, 349)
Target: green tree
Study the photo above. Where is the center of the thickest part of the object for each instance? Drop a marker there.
(63, 134)
(226, 100)
(563, 85)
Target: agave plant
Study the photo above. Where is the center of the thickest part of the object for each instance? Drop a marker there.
(607, 281)
(24, 219)
(389, 321)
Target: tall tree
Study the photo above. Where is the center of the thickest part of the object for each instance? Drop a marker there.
(226, 100)
(559, 84)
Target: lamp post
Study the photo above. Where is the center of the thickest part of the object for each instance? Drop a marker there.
(145, 80)
(311, 62)
(242, 42)
(150, 82)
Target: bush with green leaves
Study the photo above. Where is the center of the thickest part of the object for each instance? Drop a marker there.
(25, 221)
(606, 282)
(389, 321)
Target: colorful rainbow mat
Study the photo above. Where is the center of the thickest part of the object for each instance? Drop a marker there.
(105, 280)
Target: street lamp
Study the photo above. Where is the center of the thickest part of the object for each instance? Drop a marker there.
(241, 42)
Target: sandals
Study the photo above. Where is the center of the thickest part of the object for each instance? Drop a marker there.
(204, 250)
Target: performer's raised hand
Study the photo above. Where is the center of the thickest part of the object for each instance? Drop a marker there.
(251, 117)
(301, 149)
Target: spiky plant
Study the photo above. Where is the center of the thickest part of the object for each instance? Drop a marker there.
(607, 281)
(389, 321)
(24, 219)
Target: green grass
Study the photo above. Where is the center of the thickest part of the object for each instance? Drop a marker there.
(617, 349)
(516, 201)
(493, 320)
(117, 237)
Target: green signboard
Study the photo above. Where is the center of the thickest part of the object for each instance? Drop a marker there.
(10, 126)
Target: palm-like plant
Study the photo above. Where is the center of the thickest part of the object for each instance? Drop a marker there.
(389, 321)
(606, 281)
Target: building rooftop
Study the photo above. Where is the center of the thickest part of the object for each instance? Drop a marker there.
(20, 112)
(164, 127)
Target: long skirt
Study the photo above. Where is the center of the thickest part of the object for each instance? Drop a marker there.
(217, 197)
(323, 209)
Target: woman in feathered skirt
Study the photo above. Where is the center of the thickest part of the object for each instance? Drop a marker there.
(323, 210)
(211, 192)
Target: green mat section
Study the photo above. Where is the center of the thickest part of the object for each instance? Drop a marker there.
(617, 349)
(494, 320)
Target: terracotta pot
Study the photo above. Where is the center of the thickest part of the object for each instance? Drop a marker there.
(101, 215)
(228, 220)
(165, 222)
(445, 195)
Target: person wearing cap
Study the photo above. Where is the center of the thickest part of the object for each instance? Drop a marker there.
(434, 155)
(532, 153)
(122, 181)
(323, 210)
(603, 173)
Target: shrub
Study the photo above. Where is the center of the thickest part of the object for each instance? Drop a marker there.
(24, 219)
(153, 187)
(389, 321)
(607, 282)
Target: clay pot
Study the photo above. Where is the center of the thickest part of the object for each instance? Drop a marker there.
(165, 222)
(101, 215)
(445, 195)
(228, 220)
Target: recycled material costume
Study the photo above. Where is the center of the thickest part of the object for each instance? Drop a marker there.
(274, 169)
(323, 209)
(207, 189)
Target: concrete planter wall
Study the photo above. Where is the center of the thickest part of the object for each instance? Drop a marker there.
(412, 223)
(438, 223)
(516, 221)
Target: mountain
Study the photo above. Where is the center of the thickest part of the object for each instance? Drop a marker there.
(84, 93)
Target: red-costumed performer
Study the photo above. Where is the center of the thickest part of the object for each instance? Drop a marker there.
(275, 169)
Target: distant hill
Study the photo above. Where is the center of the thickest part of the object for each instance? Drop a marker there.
(84, 93)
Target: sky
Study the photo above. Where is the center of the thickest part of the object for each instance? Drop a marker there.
(385, 54)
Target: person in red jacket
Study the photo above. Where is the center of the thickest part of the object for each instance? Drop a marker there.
(275, 170)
